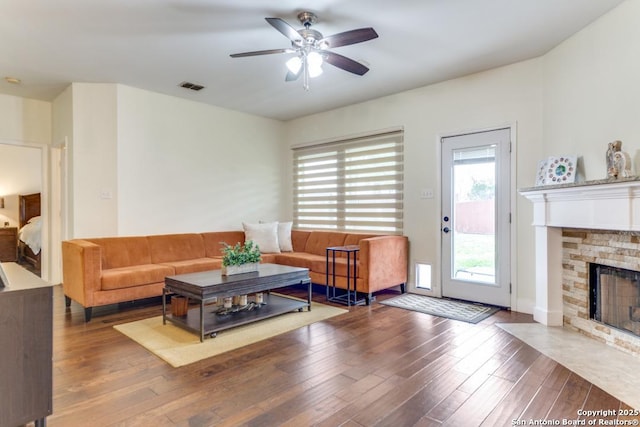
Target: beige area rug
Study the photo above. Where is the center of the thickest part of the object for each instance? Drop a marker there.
(178, 347)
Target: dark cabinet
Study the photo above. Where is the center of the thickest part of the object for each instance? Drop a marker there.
(8, 244)
(25, 348)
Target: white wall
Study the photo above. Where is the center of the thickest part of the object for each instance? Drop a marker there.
(94, 160)
(507, 95)
(146, 163)
(25, 120)
(592, 91)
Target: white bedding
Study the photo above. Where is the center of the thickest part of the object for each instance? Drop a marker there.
(31, 234)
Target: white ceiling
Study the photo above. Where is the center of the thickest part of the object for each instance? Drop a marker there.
(157, 44)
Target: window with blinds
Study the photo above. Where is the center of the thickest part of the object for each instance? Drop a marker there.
(350, 185)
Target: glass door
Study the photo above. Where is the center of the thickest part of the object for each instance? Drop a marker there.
(475, 218)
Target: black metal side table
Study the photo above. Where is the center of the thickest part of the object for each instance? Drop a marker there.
(350, 297)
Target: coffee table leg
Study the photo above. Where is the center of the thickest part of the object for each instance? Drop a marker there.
(164, 306)
(309, 297)
(201, 320)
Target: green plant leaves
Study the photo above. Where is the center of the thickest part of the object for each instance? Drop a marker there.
(240, 254)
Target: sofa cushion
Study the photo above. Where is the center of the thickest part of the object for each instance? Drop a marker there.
(268, 258)
(175, 247)
(298, 259)
(127, 277)
(116, 252)
(319, 241)
(194, 265)
(212, 241)
(341, 266)
(299, 239)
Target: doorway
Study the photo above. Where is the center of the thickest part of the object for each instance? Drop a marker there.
(475, 217)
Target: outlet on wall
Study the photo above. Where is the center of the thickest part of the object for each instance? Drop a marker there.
(426, 193)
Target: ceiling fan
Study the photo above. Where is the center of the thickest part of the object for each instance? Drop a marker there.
(311, 48)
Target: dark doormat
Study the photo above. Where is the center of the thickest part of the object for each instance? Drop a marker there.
(456, 310)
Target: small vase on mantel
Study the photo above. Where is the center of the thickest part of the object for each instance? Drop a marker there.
(618, 161)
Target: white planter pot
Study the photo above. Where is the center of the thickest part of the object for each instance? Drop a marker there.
(239, 269)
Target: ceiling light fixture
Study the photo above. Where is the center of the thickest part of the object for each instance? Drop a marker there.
(12, 80)
(311, 49)
(310, 64)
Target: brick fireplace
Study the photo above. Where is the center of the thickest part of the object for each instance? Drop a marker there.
(577, 225)
(610, 260)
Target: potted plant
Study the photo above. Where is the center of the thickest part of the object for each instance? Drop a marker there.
(240, 258)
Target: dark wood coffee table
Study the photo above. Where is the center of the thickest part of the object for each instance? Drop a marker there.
(206, 286)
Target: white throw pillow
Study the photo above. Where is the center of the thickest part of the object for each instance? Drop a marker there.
(284, 236)
(264, 235)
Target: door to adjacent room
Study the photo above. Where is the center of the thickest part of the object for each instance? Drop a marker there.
(475, 220)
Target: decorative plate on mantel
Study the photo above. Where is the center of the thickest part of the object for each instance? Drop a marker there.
(557, 170)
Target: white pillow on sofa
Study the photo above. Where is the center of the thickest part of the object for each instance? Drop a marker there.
(284, 235)
(264, 235)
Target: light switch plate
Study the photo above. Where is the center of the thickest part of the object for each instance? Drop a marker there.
(426, 193)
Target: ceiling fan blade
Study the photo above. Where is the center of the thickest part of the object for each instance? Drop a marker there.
(261, 52)
(292, 77)
(286, 29)
(350, 37)
(345, 63)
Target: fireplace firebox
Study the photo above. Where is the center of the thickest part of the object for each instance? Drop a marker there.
(614, 297)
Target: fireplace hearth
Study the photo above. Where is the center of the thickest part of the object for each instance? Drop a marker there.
(614, 295)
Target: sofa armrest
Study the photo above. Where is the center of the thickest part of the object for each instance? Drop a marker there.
(81, 270)
(384, 262)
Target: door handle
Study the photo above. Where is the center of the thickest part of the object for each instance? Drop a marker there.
(446, 229)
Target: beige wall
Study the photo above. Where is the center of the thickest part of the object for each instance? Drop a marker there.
(93, 160)
(592, 91)
(145, 163)
(184, 166)
(25, 120)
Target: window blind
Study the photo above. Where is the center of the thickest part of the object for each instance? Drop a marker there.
(350, 185)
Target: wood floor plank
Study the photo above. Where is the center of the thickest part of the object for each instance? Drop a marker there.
(478, 406)
(518, 398)
(547, 394)
(374, 365)
(571, 398)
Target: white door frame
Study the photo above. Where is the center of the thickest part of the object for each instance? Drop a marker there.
(44, 200)
(497, 290)
(436, 280)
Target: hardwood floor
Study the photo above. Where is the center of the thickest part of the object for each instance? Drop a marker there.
(374, 366)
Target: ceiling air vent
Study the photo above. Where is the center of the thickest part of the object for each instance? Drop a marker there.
(192, 86)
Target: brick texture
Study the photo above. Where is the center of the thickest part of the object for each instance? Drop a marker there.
(579, 248)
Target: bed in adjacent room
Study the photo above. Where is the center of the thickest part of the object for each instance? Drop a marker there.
(30, 233)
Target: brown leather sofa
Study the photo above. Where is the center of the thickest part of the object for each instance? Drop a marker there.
(102, 271)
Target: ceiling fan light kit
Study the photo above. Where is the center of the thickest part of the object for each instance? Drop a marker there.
(311, 49)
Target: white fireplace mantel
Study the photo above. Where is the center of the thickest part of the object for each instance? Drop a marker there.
(599, 205)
